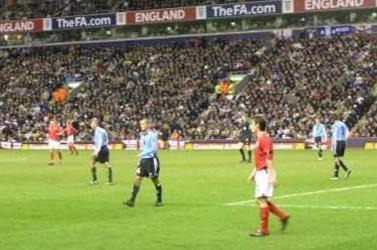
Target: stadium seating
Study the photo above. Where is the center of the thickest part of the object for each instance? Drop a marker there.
(293, 81)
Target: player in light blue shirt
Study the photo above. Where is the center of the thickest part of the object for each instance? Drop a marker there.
(149, 164)
(339, 138)
(319, 136)
(101, 152)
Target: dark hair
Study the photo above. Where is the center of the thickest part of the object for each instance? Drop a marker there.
(261, 122)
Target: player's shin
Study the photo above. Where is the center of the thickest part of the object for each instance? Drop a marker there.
(276, 211)
(94, 173)
(263, 214)
(336, 170)
(110, 174)
(344, 166)
(242, 154)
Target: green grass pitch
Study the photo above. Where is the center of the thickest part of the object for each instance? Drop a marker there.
(44, 207)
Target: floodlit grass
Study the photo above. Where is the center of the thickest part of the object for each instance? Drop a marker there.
(53, 207)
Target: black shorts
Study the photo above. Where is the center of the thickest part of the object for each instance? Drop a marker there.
(103, 155)
(339, 149)
(318, 140)
(246, 141)
(149, 167)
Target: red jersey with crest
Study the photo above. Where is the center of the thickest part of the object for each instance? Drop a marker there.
(264, 151)
(70, 130)
(54, 132)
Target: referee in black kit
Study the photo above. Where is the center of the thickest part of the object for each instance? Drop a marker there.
(101, 152)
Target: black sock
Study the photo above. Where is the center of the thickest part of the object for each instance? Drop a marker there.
(110, 174)
(343, 165)
(243, 154)
(336, 169)
(320, 153)
(94, 173)
(159, 192)
(135, 190)
(249, 154)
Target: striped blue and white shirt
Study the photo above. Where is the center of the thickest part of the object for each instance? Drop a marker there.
(319, 130)
(100, 139)
(149, 141)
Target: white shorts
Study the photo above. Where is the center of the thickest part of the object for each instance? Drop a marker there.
(52, 144)
(263, 186)
(71, 140)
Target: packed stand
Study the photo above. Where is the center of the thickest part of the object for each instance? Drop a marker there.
(297, 80)
(290, 82)
(169, 84)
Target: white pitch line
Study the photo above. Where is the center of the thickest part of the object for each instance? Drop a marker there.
(324, 191)
(319, 207)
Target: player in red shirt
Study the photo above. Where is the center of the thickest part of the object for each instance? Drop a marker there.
(55, 133)
(71, 131)
(264, 176)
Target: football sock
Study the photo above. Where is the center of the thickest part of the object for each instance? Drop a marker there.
(320, 153)
(94, 173)
(135, 190)
(336, 169)
(110, 174)
(276, 211)
(249, 154)
(159, 192)
(242, 154)
(263, 214)
(343, 165)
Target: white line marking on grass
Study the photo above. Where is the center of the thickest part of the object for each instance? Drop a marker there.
(13, 160)
(319, 207)
(324, 191)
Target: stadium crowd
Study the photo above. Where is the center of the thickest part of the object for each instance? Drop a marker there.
(290, 81)
(21, 9)
(299, 80)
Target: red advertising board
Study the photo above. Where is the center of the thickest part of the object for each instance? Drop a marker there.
(161, 15)
(21, 26)
(323, 5)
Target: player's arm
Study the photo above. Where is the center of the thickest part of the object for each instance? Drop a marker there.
(324, 134)
(272, 172)
(252, 175)
(97, 143)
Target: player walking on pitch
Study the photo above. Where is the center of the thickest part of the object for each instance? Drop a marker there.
(71, 131)
(338, 143)
(319, 136)
(149, 164)
(264, 176)
(55, 133)
(101, 152)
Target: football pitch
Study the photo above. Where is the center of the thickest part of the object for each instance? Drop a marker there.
(207, 203)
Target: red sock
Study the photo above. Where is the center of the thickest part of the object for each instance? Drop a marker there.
(263, 214)
(276, 211)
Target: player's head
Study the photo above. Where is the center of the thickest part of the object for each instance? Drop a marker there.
(317, 120)
(53, 122)
(94, 123)
(259, 124)
(69, 122)
(145, 125)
